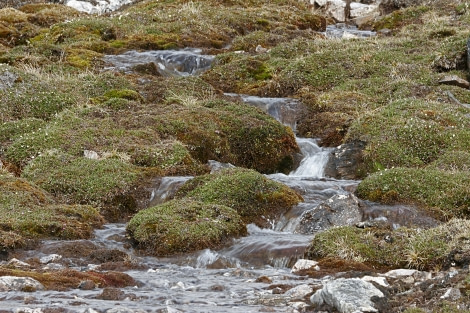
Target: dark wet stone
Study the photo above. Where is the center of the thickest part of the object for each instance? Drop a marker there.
(339, 210)
(377, 215)
(75, 249)
(217, 288)
(114, 294)
(345, 162)
(108, 255)
(264, 279)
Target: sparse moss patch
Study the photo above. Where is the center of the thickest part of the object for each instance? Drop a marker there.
(421, 249)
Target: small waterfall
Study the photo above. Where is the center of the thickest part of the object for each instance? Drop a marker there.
(187, 62)
(314, 161)
(166, 188)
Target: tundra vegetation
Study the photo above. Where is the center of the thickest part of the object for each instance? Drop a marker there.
(57, 103)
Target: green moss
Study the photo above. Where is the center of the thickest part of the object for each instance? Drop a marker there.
(453, 161)
(410, 132)
(10, 130)
(256, 198)
(183, 226)
(425, 249)
(29, 212)
(82, 180)
(445, 193)
(123, 94)
(402, 17)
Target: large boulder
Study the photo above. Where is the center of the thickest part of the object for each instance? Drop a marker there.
(339, 210)
(348, 295)
(342, 11)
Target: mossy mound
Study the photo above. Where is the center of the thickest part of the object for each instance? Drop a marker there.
(176, 136)
(442, 192)
(411, 133)
(42, 92)
(428, 249)
(81, 180)
(256, 198)
(18, 26)
(184, 225)
(29, 212)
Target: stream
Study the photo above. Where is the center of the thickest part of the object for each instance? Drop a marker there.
(239, 278)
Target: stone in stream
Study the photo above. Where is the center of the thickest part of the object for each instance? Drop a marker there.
(339, 210)
(13, 283)
(348, 295)
(304, 265)
(346, 160)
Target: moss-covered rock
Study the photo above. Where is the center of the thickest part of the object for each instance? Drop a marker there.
(184, 225)
(444, 193)
(256, 198)
(430, 249)
(29, 212)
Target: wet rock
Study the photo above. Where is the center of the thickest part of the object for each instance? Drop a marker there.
(168, 310)
(17, 264)
(454, 80)
(110, 293)
(304, 265)
(12, 283)
(348, 295)
(50, 258)
(339, 210)
(264, 279)
(382, 281)
(299, 292)
(298, 305)
(108, 255)
(217, 166)
(346, 160)
(393, 216)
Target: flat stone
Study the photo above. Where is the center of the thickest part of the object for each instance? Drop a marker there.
(400, 273)
(382, 281)
(454, 80)
(13, 283)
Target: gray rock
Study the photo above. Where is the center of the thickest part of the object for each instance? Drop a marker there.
(348, 295)
(454, 80)
(13, 283)
(346, 160)
(50, 258)
(299, 292)
(339, 210)
(303, 264)
(7, 80)
(216, 166)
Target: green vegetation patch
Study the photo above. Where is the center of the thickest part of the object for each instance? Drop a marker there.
(411, 132)
(29, 212)
(256, 198)
(427, 249)
(82, 180)
(443, 192)
(184, 225)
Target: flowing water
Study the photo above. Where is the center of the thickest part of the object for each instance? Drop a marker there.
(227, 280)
